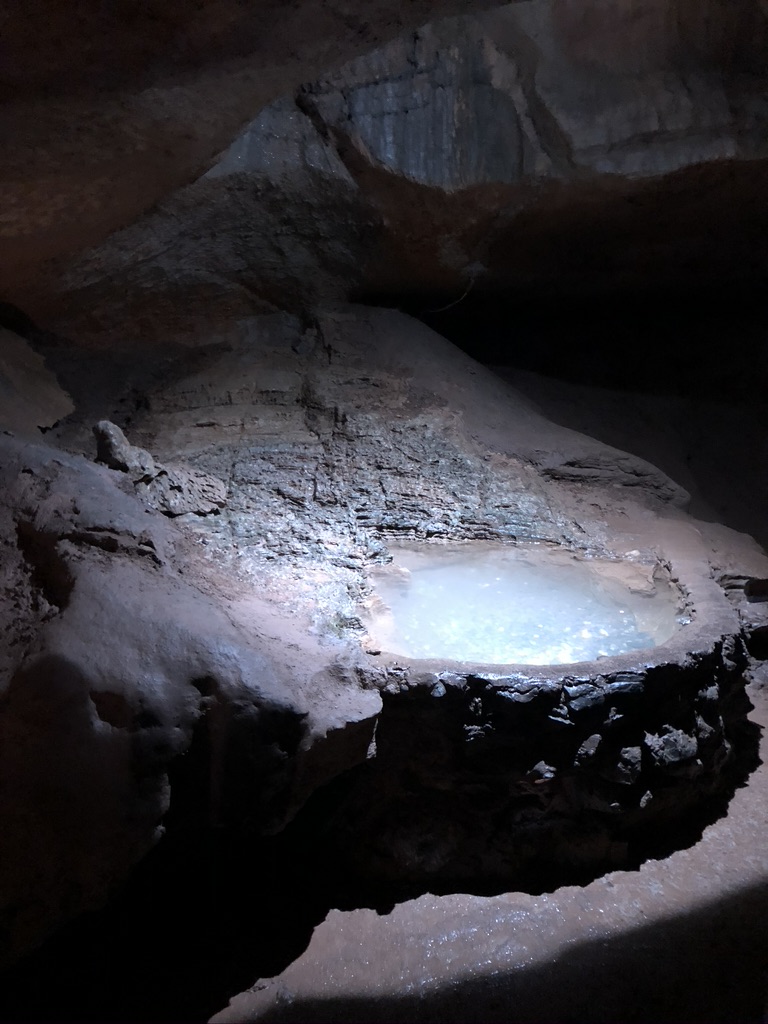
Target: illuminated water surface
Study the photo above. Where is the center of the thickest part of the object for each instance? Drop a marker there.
(527, 606)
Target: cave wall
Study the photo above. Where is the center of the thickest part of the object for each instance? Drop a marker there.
(181, 267)
(538, 149)
(111, 109)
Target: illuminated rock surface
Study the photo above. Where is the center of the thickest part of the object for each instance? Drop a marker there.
(315, 432)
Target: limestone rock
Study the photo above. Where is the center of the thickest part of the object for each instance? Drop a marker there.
(501, 149)
(474, 156)
(31, 398)
(121, 653)
(173, 490)
(102, 137)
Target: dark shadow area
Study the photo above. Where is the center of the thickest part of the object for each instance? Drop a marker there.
(377, 832)
(204, 915)
(211, 910)
(704, 343)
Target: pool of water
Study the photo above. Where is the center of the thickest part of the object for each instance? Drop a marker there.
(534, 605)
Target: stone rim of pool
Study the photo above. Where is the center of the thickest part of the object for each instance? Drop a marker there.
(544, 774)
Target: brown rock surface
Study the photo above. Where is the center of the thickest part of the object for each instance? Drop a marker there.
(118, 651)
(680, 939)
(30, 395)
(102, 131)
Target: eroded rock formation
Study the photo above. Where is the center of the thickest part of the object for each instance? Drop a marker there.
(117, 652)
(102, 132)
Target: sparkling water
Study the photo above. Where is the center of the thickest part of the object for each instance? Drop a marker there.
(501, 609)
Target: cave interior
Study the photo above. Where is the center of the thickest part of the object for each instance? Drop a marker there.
(287, 289)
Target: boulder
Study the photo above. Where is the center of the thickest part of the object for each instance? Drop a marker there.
(122, 654)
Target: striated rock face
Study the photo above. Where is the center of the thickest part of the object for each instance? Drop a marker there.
(542, 147)
(345, 432)
(519, 148)
(556, 89)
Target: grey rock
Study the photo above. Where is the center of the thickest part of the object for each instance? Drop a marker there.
(174, 490)
(588, 748)
(114, 450)
(672, 747)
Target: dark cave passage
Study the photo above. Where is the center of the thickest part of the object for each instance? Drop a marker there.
(676, 342)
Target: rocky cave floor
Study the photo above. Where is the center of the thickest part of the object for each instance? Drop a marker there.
(673, 935)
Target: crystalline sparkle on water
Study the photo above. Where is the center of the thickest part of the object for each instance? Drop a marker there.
(468, 607)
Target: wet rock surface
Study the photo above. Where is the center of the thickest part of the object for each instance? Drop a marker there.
(228, 656)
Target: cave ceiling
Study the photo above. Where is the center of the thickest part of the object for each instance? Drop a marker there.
(108, 108)
(309, 152)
